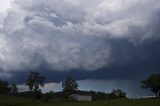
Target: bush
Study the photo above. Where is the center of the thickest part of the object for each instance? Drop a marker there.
(37, 94)
(47, 96)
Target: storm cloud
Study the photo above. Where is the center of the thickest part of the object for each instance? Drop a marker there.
(84, 35)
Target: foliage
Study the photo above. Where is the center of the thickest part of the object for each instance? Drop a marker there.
(4, 87)
(118, 93)
(95, 95)
(13, 89)
(153, 83)
(7, 100)
(69, 85)
(26, 94)
(35, 80)
(37, 94)
(48, 96)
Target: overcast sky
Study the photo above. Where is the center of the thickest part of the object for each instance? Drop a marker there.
(102, 40)
(5, 4)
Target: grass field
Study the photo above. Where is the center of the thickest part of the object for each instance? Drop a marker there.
(14, 101)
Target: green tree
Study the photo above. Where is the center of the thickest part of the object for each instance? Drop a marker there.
(118, 93)
(48, 96)
(13, 89)
(4, 87)
(152, 83)
(34, 81)
(69, 85)
(37, 94)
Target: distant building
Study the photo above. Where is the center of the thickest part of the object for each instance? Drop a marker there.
(78, 97)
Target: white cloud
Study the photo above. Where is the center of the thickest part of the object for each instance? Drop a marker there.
(53, 15)
(117, 17)
(47, 87)
(5, 4)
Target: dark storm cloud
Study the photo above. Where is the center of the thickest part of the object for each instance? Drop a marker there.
(139, 63)
(104, 39)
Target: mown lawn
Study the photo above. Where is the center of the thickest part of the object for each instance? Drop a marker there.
(15, 101)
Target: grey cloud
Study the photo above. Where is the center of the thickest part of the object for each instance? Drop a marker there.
(72, 34)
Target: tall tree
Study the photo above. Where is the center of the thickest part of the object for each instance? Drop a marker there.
(35, 80)
(152, 83)
(69, 85)
(4, 87)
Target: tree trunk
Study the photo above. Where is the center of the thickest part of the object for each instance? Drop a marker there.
(159, 95)
(156, 94)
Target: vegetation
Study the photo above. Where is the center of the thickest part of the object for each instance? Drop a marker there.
(95, 95)
(9, 95)
(69, 85)
(35, 80)
(117, 93)
(4, 87)
(153, 82)
(16, 101)
(13, 89)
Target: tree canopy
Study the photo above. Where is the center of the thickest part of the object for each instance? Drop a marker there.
(69, 85)
(13, 89)
(35, 80)
(152, 83)
(4, 87)
(118, 93)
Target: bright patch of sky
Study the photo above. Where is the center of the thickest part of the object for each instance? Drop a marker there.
(5, 5)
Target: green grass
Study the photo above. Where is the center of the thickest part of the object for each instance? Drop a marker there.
(15, 101)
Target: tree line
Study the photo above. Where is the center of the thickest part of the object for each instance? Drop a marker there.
(70, 86)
